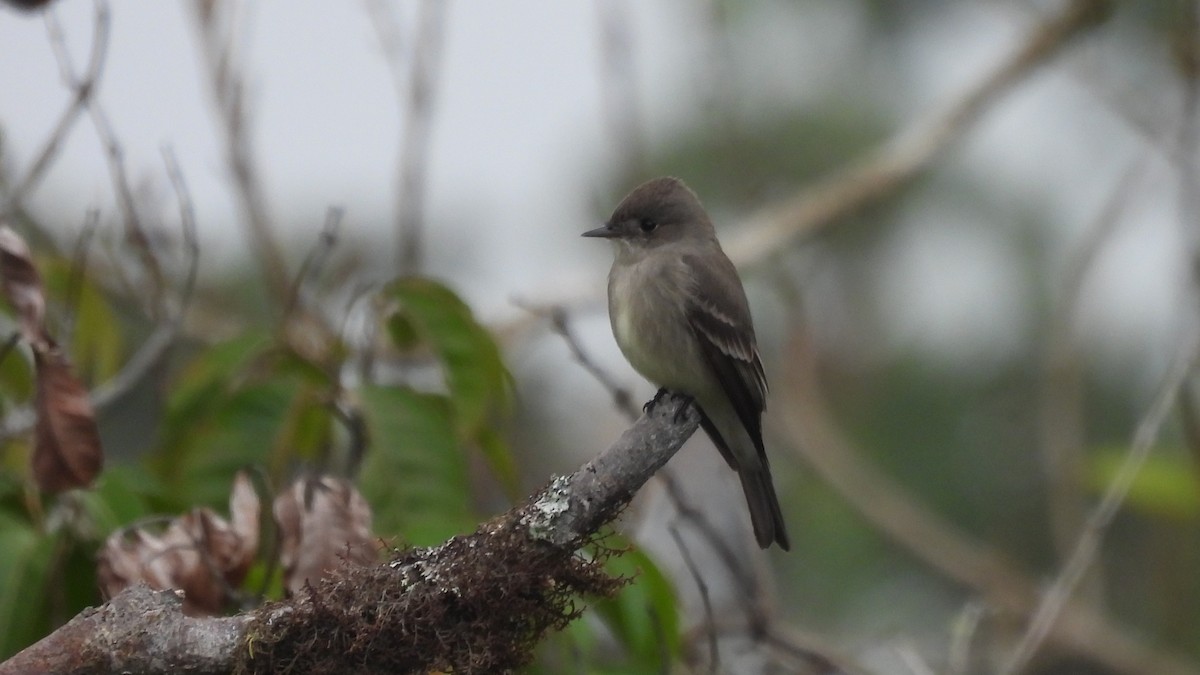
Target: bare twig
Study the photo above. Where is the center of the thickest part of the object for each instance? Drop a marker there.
(901, 516)
(84, 89)
(215, 23)
(135, 232)
(562, 327)
(417, 86)
(709, 625)
(155, 348)
(962, 633)
(83, 245)
(315, 261)
(1084, 553)
(619, 85)
(187, 226)
(1061, 400)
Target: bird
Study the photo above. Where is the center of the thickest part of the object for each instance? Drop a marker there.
(680, 317)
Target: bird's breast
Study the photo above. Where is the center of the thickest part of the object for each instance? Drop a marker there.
(646, 306)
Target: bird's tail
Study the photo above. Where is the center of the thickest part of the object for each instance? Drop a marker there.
(765, 514)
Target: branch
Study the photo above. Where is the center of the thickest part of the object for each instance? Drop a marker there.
(416, 87)
(466, 605)
(895, 512)
(83, 89)
(902, 159)
(215, 24)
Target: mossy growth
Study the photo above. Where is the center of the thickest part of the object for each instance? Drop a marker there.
(478, 603)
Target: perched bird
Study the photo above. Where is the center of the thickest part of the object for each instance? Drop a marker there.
(680, 316)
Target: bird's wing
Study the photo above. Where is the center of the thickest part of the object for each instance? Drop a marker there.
(720, 318)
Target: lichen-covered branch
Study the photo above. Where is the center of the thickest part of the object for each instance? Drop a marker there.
(477, 603)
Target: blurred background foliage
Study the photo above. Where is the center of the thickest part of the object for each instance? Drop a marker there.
(949, 402)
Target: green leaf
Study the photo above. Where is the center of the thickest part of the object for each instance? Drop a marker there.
(97, 346)
(501, 461)
(415, 473)
(122, 494)
(16, 375)
(1165, 487)
(306, 430)
(475, 374)
(643, 616)
(25, 560)
(228, 410)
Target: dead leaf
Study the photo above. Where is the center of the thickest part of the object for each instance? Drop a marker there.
(22, 285)
(199, 553)
(66, 449)
(323, 523)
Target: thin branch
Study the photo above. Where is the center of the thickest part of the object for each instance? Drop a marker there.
(315, 261)
(709, 625)
(962, 634)
(84, 89)
(79, 262)
(619, 85)
(228, 91)
(902, 159)
(901, 516)
(135, 231)
(1061, 400)
(187, 226)
(416, 85)
(1088, 544)
(155, 348)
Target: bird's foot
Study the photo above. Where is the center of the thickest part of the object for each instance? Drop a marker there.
(652, 403)
(682, 412)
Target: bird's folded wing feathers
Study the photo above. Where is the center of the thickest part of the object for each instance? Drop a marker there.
(720, 318)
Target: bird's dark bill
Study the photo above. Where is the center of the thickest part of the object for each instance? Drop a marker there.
(605, 232)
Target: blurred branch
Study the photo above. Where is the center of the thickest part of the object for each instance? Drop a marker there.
(619, 85)
(84, 89)
(416, 86)
(215, 22)
(1171, 392)
(79, 262)
(1054, 601)
(135, 231)
(314, 262)
(903, 158)
(895, 512)
(155, 348)
(1061, 411)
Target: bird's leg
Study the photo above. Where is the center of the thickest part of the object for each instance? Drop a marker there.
(649, 407)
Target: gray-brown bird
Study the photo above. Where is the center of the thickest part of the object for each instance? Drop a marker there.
(680, 317)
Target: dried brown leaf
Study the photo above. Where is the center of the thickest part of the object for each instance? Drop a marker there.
(22, 285)
(323, 523)
(66, 450)
(244, 513)
(199, 553)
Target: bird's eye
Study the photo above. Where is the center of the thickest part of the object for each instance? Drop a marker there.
(648, 225)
